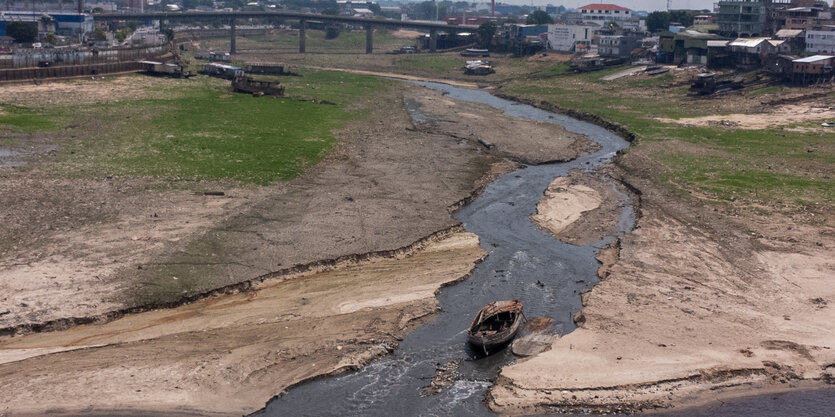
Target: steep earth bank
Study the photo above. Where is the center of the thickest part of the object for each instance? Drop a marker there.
(228, 355)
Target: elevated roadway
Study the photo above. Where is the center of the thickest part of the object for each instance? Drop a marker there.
(303, 18)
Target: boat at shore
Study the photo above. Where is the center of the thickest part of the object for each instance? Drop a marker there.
(495, 325)
(256, 87)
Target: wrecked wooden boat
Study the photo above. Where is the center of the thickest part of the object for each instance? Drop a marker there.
(495, 325)
(256, 87)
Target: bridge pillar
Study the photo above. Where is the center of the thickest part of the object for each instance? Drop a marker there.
(232, 30)
(302, 24)
(369, 39)
(433, 40)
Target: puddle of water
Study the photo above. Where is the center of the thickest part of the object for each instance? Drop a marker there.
(10, 158)
(520, 257)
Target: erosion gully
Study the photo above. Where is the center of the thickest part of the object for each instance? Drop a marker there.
(523, 262)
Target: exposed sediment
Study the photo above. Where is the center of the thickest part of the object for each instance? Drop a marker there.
(581, 208)
(230, 353)
(699, 301)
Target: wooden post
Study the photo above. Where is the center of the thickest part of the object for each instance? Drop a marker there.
(369, 39)
(232, 33)
(302, 24)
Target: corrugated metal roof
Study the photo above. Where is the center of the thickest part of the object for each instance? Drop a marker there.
(602, 6)
(748, 42)
(814, 58)
(717, 44)
(788, 33)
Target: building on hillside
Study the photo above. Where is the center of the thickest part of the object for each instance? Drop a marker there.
(796, 38)
(347, 7)
(59, 23)
(360, 12)
(704, 20)
(749, 52)
(742, 18)
(780, 65)
(565, 37)
(618, 45)
(803, 18)
(602, 13)
(135, 5)
(821, 40)
(813, 69)
(718, 55)
(688, 47)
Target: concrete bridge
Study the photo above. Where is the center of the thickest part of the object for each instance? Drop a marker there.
(303, 18)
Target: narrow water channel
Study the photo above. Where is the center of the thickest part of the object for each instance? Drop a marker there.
(523, 262)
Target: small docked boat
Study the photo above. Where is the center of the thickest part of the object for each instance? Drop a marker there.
(255, 87)
(495, 325)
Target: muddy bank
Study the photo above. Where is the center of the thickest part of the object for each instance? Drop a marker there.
(229, 354)
(90, 247)
(702, 298)
(581, 208)
(523, 140)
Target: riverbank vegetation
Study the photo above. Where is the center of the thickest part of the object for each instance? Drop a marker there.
(198, 129)
(712, 146)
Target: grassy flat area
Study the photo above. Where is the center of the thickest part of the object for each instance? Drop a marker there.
(790, 163)
(23, 120)
(199, 129)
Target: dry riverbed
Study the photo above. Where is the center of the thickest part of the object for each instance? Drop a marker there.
(229, 354)
(700, 302)
(316, 276)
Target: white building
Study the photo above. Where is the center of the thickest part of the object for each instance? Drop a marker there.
(602, 12)
(564, 37)
(821, 41)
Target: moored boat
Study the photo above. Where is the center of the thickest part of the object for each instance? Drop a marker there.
(495, 325)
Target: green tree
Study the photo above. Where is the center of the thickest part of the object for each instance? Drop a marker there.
(122, 34)
(99, 35)
(539, 17)
(50, 38)
(23, 32)
(685, 17)
(658, 21)
(486, 31)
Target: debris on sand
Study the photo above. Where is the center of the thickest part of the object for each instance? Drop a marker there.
(445, 376)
